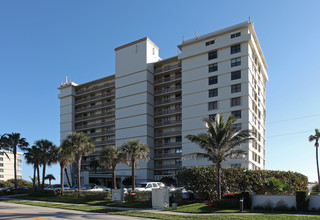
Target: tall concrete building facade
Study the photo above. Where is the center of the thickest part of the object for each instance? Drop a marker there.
(160, 101)
(7, 165)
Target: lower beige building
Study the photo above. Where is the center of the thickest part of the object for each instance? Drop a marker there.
(7, 165)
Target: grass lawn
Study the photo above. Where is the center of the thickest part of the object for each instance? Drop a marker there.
(201, 208)
(160, 216)
(66, 199)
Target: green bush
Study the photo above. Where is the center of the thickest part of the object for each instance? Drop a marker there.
(258, 207)
(316, 188)
(106, 195)
(302, 201)
(44, 193)
(202, 180)
(227, 204)
(138, 197)
(20, 182)
(176, 197)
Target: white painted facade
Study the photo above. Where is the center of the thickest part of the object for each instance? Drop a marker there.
(7, 165)
(159, 101)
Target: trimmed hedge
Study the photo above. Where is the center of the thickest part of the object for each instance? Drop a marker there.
(203, 180)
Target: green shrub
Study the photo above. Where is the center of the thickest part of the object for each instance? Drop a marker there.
(247, 200)
(138, 197)
(106, 195)
(20, 182)
(44, 193)
(281, 207)
(176, 197)
(316, 188)
(258, 207)
(302, 201)
(227, 204)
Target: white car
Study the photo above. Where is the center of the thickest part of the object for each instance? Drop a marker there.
(96, 188)
(146, 186)
(56, 186)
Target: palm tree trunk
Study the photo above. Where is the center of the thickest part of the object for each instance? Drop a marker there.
(317, 160)
(114, 181)
(79, 169)
(66, 171)
(219, 180)
(38, 171)
(15, 167)
(34, 177)
(43, 175)
(133, 176)
(62, 179)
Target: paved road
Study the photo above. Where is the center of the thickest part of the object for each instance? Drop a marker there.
(19, 211)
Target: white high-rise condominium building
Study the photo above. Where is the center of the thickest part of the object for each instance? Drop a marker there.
(7, 165)
(161, 101)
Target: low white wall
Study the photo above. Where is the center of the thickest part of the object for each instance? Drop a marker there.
(274, 200)
(314, 202)
(160, 198)
(117, 195)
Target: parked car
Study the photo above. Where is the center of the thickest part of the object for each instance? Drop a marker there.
(56, 186)
(187, 194)
(96, 188)
(146, 186)
(75, 187)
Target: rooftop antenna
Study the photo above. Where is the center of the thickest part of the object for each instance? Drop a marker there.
(197, 35)
(66, 80)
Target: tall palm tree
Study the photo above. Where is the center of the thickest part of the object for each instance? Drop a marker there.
(48, 155)
(65, 158)
(14, 141)
(111, 156)
(81, 145)
(316, 144)
(134, 151)
(33, 156)
(94, 164)
(50, 177)
(219, 143)
(3, 145)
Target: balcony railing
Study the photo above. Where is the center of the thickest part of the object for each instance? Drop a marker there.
(167, 166)
(174, 155)
(95, 125)
(168, 101)
(167, 79)
(172, 89)
(93, 107)
(94, 116)
(99, 143)
(94, 88)
(163, 145)
(166, 112)
(96, 134)
(94, 98)
(167, 122)
(169, 133)
(167, 68)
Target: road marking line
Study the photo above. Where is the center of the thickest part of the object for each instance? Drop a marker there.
(24, 215)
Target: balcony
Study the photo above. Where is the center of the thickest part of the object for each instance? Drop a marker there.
(168, 90)
(165, 123)
(94, 116)
(165, 156)
(167, 166)
(95, 88)
(168, 101)
(103, 133)
(107, 142)
(167, 112)
(167, 79)
(102, 124)
(94, 107)
(97, 97)
(167, 68)
(166, 134)
(167, 145)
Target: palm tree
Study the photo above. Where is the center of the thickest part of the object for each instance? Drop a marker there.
(3, 144)
(33, 156)
(94, 164)
(65, 158)
(219, 143)
(316, 144)
(13, 142)
(50, 177)
(48, 155)
(134, 151)
(111, 156)
(81, 145)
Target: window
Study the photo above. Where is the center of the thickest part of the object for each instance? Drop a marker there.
(235, 165)
(209, 42)
(212, 117)
(235, 49)
(1, 153)
(167, 140)
(1, 158)
(235, 101)
(212, 55)
(236, 62)
(237, 127)
(236, 75)
(213, 105)
(178, 161)
(235, 88)
(1, 176)
(213, 80)
(213, 67)
(213, 93)
(178, 150)
(236, 114)
(178, 139)
(1, 170)
(238, 34)
(1, 164)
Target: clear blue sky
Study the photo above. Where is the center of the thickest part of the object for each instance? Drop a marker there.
(43, 41)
